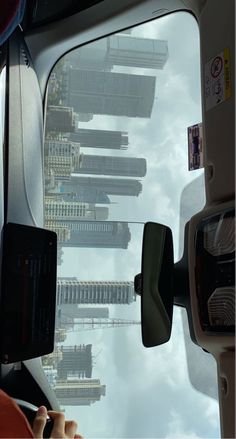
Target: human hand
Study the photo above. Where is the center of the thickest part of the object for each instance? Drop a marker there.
(61, 428)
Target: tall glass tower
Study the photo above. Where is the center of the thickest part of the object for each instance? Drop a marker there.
(89, 138)
(121, 50)
(109, 165)
(110, 186)
(114, 94)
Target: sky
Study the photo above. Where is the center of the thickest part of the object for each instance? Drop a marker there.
(148, 391)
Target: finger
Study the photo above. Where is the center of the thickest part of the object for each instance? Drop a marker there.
(39, 422)
(58, 430)
(70, 429)
(78, 436)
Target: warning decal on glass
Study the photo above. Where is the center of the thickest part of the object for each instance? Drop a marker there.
(195, 147)
(217, 79)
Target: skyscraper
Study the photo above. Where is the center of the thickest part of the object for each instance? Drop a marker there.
(71, 291)
(61, 157)
(99, 138)
(79, 392)
(121, 50)
(76, 361)
(60, 119)
(58, 166)
(85, 195)
(110, 186)
(141, 52)
(76, 312)
(109, 165)
(61, 148)
(62, 230)
(100, 234)
(117, 94)
(62, 210)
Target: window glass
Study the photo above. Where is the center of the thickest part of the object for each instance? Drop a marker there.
(116, 156)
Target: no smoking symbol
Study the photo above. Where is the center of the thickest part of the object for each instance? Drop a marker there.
(216, 66)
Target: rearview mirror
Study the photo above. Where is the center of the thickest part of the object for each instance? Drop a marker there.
(155, 284)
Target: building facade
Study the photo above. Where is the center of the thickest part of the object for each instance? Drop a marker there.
(98, 234)
(61, 148)
(139, 52)
(114, 94)
(76, 361)
(60, 119)
(89, 138)
(62, 230)
(120, 50)
(73, 291)
(86, 195)
(59, 167)
(62, 210)
(111, 165)
(110, 186)
(79, 392)
(77, 312)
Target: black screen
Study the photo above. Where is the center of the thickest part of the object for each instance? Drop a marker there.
(28, 292)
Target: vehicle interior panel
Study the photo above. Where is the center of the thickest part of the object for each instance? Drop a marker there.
(49, 43)
(25, 181)
(219, 123)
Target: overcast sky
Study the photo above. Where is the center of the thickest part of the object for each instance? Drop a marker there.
(148, 391)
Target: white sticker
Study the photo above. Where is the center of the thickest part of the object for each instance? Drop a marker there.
(217, 79)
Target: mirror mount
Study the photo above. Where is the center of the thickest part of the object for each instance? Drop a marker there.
(138, 284)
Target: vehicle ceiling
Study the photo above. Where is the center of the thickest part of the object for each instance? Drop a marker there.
(49, 42)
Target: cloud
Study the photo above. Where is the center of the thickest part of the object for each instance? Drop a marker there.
(176, 428)
(212, 414)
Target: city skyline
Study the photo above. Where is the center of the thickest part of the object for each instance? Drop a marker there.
(72, 195)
